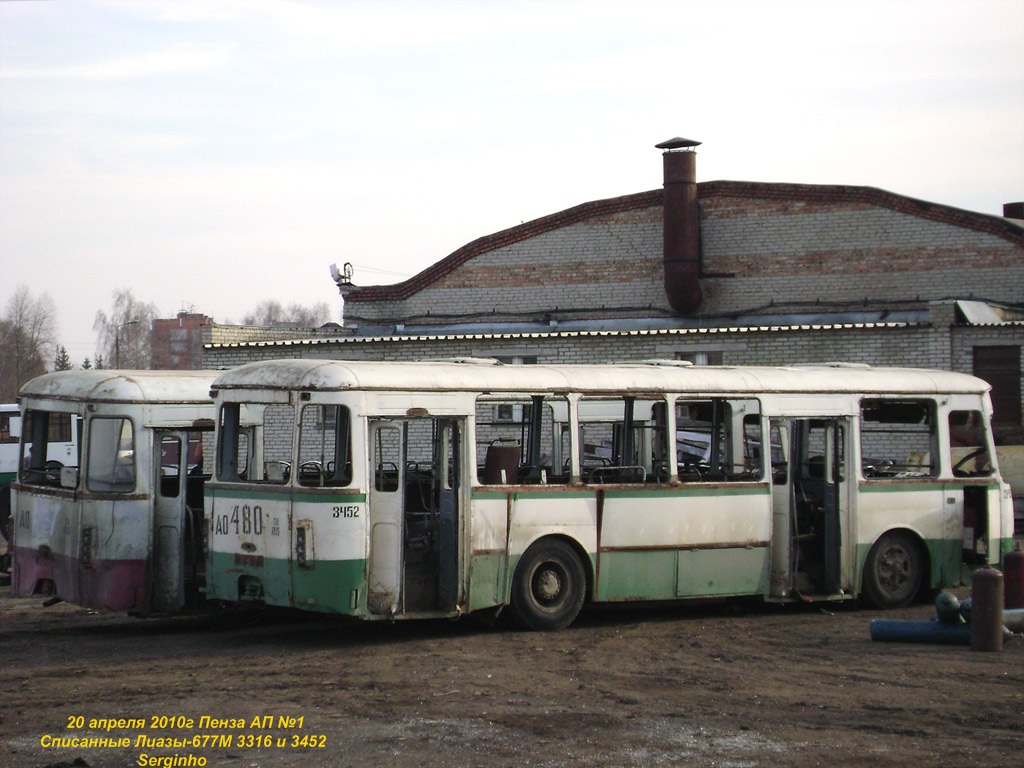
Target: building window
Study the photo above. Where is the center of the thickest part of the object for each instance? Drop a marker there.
(508, 412)
(713, 357)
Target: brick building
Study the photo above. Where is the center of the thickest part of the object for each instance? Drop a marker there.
(177, 343)
(727, 272)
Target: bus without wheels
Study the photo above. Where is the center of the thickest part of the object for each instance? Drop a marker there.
(118, 525)
(400, 490)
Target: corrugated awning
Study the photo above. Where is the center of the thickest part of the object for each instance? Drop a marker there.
(978, 312)
(983, 313)
(719, 330)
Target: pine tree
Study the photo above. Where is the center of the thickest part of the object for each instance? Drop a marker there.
(62, 360)
(86, 364)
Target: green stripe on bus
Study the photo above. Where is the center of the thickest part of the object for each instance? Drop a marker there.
(487, 580)
(329, 586)
(670, 574)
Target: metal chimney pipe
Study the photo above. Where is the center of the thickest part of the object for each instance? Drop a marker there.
(681, 226)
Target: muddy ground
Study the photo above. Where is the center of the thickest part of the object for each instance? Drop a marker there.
(712, 685)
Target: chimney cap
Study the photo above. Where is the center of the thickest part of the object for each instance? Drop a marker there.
(678, 143)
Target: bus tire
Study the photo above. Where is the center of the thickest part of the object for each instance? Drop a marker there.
(893, 571)
(549, 586)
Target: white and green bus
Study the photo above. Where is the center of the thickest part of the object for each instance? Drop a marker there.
(403, 490)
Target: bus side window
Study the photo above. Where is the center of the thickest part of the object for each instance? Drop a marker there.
(387, 459)
(170, 460)
(619, 439)
(898, 438)
(111, 455)
(278, 439)
(968, 444)
(230, 465)
(45, 438)
(6, 433)
(719, 439)
(522, 440)
(325, 446)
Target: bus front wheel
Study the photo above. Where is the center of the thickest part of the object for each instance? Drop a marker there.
(893, 572)
(549, 586)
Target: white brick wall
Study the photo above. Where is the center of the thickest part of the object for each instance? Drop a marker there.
(754, 252)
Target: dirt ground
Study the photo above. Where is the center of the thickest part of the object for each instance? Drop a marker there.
(711, 685)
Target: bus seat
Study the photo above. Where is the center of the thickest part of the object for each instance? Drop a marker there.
(501, 464)
(919, 462)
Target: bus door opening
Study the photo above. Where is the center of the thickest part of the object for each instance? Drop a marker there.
(177, 553)
(818, 485)
(415, 516)
(971, 457)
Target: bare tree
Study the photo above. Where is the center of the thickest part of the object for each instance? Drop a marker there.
(27, 336)
(271, 312)
(123, 338)
(267, 312)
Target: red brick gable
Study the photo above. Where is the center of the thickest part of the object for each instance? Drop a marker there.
(795, 197)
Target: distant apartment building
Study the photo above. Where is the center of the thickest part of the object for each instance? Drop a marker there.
(177, 343)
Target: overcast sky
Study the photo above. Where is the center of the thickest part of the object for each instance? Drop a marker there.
(210, 155)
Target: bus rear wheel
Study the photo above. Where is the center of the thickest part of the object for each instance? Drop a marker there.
(893, 572)
(549, 586)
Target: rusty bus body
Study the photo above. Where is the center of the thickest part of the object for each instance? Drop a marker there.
(403, 490)
(118, 526)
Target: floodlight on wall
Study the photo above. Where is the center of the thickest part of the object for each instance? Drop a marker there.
(342, 276)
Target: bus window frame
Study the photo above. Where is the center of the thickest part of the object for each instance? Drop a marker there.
(93, 483)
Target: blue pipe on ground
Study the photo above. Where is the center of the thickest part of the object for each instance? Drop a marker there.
(896, 631)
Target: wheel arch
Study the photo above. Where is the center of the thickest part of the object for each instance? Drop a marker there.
(923, 551)
(584, 557)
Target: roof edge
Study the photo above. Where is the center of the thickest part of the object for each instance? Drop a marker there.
(503, 238)
(979, 222)
(697, 331)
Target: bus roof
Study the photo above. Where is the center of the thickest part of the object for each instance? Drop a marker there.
(110, 386)
(480, 375)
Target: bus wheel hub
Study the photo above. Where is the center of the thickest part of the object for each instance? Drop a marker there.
(548, 585)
